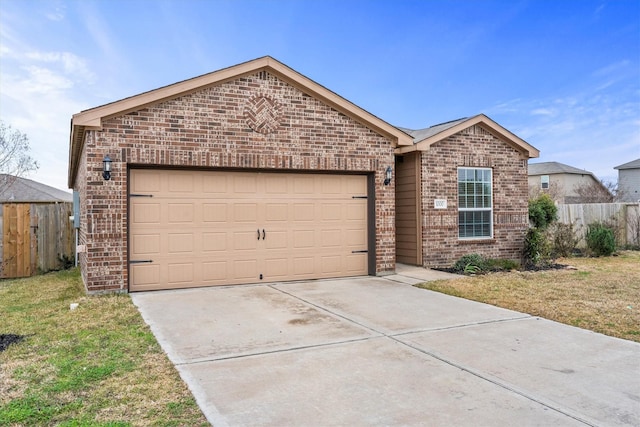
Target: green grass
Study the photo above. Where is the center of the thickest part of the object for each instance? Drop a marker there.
(600, 294)
(98, 365)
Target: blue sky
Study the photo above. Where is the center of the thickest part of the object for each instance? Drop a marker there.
(562, 74)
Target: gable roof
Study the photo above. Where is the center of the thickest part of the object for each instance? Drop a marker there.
(424, 138)
(14, 189)
(634, 164)
(550, 168)
(92, 118)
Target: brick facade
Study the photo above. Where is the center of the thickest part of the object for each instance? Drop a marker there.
(257, 122)
(473, 147)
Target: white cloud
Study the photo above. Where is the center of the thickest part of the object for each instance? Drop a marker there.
(542, 112)
(612, 68)
(594, 130)
(43, 81)
(71, 64)
(58, 13)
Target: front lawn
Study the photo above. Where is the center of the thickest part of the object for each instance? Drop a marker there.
(96, 365)
(600, 294)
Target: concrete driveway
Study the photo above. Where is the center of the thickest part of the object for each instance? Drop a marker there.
(379, 352)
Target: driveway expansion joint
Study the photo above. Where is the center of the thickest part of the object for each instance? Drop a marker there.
(503, 384)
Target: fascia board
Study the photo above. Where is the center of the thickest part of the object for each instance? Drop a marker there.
(486, 122)
(92, 118)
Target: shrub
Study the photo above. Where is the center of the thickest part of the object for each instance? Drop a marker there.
(600, 239)
(537, 250)
(542, 211)
(564, 239)
(470, 264)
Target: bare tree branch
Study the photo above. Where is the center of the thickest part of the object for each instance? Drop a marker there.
(595, 192)
(15, 159)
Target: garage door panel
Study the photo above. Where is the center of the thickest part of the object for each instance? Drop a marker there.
(356, 237)
(243, 240)
(331, 264)
(276, 240)
(145, 244)
(332, 185)
(180, 243)
(246, 269)
(276, 268)
(179, 273)
(303, 239)
(144, 183)
(331, 238)
(214, 183)
(355, 262)
(304, 185)
(356, 212)
(180, 212)
(303, 212)
(303, 266)
(215, 270)
(331, 212)
(181, 182)
(245, 183)
(356, 185)
(215, 212)
(245, 212)
(276, 184)
(276, 212)
(214, 241)
(145, 275)
(146, 213)
(201, 228)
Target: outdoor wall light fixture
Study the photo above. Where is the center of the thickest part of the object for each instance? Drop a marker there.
(387, 175)
(106, 168)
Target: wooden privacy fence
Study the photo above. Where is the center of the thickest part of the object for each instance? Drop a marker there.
(624, 217)
(36, 238)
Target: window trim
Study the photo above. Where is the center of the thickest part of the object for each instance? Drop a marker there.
(544, 181)
(489, 209)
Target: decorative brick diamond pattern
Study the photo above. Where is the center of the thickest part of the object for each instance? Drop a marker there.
(262, 114)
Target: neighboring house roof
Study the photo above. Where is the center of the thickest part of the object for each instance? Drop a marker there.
(551, 168)
(556, 168)
(21, 190)
(634, 164)
(424, 138)
(92, 118)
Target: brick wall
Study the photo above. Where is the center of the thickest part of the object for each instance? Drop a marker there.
(257, 121)
(473, 147)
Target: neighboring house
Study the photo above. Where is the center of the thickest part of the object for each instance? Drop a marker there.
(629, 181)
(562, 182)
(255, 173)
(36, 231)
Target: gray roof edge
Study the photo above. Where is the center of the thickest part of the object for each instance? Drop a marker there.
(633, 164)
(424, 133)
(40, 192)
(548, 168)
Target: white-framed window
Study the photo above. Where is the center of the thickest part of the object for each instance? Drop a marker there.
(544, 182)
(475, 203)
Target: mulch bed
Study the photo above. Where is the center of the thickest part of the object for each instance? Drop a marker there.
(543, 267)
(7, 339)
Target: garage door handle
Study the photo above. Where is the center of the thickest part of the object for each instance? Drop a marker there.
(263, 234)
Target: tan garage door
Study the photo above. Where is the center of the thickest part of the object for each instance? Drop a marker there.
(196, 228)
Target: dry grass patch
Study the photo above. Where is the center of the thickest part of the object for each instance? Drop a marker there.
(96, 365)
(600, 294)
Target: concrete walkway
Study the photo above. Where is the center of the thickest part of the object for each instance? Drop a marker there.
(373, 351)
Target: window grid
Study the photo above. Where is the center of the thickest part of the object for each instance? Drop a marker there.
(475, 204)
